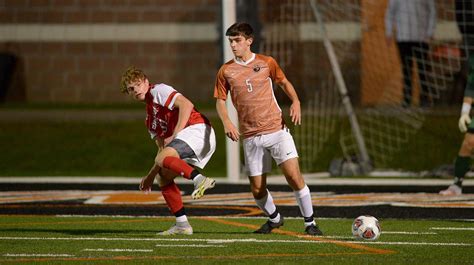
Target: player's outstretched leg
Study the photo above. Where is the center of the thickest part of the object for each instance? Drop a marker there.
(201, 184)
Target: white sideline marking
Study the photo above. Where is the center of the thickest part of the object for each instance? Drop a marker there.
(453, 228)
(218, 241)
(118, 250)
(96, 200)
(408, 233)
(414, 243)
(190, 246)
(37, 255)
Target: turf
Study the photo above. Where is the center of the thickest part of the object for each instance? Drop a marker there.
(133, 240)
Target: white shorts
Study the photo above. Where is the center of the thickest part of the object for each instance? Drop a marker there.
(201, 138)
(260, 149)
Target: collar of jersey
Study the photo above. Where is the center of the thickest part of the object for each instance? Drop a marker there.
(247, 62)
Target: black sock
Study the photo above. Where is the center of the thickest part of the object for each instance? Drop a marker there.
(461, 167)
(194, 173)
(273, 215)
(180, 212)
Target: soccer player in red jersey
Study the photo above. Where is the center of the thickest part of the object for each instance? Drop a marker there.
(184, 137)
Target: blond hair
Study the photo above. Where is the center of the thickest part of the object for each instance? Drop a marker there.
(132, 74)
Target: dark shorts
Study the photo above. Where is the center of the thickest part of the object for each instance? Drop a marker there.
(183, 149)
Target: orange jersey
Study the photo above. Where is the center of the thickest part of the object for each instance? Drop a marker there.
(251, 89)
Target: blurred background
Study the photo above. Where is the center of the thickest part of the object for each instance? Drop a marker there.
(61, 112)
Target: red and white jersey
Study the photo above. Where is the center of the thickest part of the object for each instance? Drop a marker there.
(162, 116)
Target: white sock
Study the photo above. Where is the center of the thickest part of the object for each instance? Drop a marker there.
(266, 204)
(303, 198)
(181, 219)
(197, 179)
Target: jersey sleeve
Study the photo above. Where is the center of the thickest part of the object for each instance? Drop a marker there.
(164, 95)
(221, 86)
(276, 74)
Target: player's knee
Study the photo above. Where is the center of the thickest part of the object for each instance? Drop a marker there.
(159, 160)
(165, 176)
(259, 192)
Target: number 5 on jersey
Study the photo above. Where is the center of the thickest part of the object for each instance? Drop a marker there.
(249, 85)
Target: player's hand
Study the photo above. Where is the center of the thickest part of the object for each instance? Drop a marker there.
(146, 184)
(464, 121)
(295, 113)
(231, 132)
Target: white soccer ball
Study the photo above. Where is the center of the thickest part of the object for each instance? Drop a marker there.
(366, 227)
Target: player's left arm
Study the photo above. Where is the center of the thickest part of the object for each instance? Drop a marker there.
(185, 107)
(295, 108)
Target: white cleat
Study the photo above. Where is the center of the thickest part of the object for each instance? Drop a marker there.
(176, 230)
(452, 190)
(201, 187)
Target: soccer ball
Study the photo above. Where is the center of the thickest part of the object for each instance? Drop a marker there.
(366, 227)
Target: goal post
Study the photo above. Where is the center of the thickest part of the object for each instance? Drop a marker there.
(232, 148)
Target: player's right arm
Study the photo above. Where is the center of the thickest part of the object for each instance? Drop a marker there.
(221, 89)
(229, 128)
(465, 118)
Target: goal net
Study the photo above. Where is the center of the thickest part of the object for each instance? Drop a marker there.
(390, 105)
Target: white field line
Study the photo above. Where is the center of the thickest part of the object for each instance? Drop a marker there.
(386, 232)
(220, 241)
(212, 217)
(408, 233)
(36, 255)
(190, 246)
(415, 243)
(170, 217)
(453, 228)
(118, 250)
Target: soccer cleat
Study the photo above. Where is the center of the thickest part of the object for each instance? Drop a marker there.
(201, 187)
(313, 230)
(176, 230)
(452, 190)
(267, 227)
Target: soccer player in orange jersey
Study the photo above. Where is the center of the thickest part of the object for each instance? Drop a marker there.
(184, 138)
(249, 79)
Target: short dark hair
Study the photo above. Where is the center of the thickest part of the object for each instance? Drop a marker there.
(240, 28)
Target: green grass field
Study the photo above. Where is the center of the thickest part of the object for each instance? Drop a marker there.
(133, 240)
